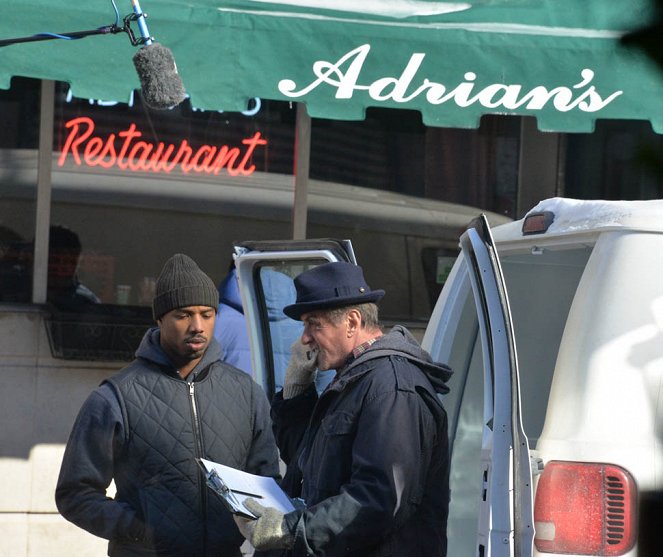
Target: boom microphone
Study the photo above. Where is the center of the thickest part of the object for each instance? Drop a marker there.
(160, 84)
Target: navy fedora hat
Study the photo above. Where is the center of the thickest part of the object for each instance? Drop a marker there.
(331, 285)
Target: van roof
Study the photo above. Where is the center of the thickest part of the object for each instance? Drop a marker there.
(575, 216)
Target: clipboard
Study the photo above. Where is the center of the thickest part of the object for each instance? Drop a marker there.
(235, 486)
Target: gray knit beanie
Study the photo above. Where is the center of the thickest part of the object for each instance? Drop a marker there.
(181, 284)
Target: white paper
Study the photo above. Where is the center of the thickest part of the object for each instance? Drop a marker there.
(263, 489)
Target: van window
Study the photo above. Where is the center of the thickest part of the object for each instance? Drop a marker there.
(541, 285)
(278, 290)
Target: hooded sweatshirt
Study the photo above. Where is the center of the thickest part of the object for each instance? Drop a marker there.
(144, 428)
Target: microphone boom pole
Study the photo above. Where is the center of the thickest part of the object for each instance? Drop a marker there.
(106, 30)
(160, 84)
(142, 26)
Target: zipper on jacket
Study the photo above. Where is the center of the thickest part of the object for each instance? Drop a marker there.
(198, 440)
(197, 432)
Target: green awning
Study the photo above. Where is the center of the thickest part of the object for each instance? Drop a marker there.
(558, 60)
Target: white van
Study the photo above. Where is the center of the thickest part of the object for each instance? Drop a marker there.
(557, 351)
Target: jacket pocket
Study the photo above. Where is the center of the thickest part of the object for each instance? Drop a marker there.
(158, 535)
(330, 460)
(339, 423)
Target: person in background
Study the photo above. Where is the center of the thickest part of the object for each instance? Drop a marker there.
(144, 428)
(231, 331)
(230, 328)
(64, 290)
(370, 455)
(15, 260)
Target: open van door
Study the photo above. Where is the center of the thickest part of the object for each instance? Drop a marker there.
(490, 511)
(491, 482)
(265, 271)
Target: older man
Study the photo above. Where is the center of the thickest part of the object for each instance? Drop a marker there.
(145, 426)
(370, 455)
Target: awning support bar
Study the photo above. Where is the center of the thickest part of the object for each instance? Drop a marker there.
(302, 169)
(44, 181)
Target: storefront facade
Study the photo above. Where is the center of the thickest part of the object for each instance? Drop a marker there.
(391, 125)
(136, 186)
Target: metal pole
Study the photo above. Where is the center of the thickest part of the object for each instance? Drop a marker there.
(302, 168)
(43, 211)
(539, 165)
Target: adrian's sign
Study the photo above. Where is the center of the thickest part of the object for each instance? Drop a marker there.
(345, 76)
(127, 150)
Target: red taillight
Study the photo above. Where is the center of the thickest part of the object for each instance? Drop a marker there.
(585, 508)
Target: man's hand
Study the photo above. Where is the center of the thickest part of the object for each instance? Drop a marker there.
(301, 370)
(268, 531)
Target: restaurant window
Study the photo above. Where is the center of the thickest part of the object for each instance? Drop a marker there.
(130, 187)
(137, 185)
(621, 159)
(453, 174)
(393, 150)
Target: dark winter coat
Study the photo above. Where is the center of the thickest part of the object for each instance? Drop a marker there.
(144, 428)
(372, 463)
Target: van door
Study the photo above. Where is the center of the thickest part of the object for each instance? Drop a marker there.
(265, 271)
(490, 512)
(491, 499)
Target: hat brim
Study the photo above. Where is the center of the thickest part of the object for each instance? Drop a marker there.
(295, 311)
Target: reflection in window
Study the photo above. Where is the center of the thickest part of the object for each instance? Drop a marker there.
(619, 160)
(19, 136)
(15, 266)
(437, 263)
(65, 290)
(465, 407)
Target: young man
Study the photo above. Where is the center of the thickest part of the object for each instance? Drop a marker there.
(145, 427)
(370, 455)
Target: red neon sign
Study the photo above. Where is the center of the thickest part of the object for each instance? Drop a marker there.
(138, 155)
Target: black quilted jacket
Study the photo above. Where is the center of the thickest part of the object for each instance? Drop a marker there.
(144, 428)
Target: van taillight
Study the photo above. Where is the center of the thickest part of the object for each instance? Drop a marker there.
(585, 508)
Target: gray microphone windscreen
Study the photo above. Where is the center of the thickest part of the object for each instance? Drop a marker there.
(160, 83)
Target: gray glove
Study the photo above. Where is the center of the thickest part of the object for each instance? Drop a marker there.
(268, 531)
(301, 370)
